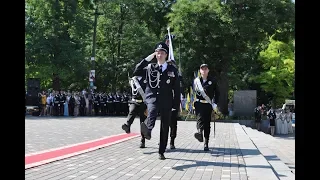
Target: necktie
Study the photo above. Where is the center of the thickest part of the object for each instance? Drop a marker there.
(160, 68)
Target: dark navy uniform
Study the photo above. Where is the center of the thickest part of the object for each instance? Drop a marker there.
(82, 105)
(163, 97)
(62, 101)
(71, 105)
(103, 104)
(96, 104)
(57, 106)
(204, 109)
(110, 104)
(136, 107)
(174, 119)
(124, 104)
(117, 101)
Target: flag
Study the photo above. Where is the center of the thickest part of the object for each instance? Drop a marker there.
(169, 43)
(187, 102)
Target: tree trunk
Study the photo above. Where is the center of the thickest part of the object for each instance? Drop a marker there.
(55, 82)
(120, 30)
(223, 85)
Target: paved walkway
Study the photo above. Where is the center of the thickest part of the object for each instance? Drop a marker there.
(232, 155)
(276, 151)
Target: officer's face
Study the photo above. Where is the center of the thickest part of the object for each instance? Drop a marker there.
(204, 71)
(161, 55)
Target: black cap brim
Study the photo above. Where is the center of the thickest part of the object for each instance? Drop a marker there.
(163, 49)
(203, 65)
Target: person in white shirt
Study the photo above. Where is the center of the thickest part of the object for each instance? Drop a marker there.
(49, 104)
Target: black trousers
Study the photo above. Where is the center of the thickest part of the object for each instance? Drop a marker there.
(56, 110)
(124, 108)
(173, 124)
(136, 110)
(203, 112)
(61, 110)
(165, 118)
(96, 109)
(117, 108)
(81, 109)
(110, 108)
(71, 109)
(103, 109)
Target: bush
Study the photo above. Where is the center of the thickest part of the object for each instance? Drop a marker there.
(185, 114)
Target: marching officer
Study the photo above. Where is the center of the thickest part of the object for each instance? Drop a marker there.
(136, 106)
(174, 121)
(162, 93)
(207, 97)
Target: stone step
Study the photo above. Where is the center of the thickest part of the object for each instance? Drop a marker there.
(256, 164)
(281, 145)
(269, 147)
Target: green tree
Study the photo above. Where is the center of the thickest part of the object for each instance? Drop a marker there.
(57, 34)
(278, 75)
(228, 37)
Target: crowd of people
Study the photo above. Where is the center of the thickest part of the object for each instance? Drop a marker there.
(66, 103)
(280, 120)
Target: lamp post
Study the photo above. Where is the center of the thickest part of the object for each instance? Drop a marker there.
(93, 61)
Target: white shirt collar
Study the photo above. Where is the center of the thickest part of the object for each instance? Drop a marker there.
(139, 77)
(164, 66)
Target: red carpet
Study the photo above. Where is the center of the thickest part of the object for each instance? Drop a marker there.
(43, 157)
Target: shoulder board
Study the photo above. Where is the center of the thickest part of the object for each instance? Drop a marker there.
(173, 65)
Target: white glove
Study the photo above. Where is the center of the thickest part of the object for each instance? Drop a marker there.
(214, 106)
(150, 57)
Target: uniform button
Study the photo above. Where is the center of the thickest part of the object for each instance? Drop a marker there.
(161, 74)
(157, 93)
(158, 86)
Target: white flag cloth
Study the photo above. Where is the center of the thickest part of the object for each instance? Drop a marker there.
(170, 56)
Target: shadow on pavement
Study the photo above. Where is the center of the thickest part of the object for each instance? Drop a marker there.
(216, 152)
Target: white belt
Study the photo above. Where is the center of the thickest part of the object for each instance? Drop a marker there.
(202, 101)
(136, 100)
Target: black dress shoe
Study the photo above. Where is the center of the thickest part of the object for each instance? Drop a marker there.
(172, 143)
(142, 145)
(161, 157)
(206, 147)
(145, 131)
(126, 128)
(172, 146)
(198, 136)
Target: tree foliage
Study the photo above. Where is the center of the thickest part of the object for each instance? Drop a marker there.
(278, 75)
(227, 36)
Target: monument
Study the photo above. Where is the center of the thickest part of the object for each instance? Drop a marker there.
(244, 102)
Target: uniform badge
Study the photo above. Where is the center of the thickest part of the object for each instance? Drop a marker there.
(145, 81)
(168, 81)
(209, 82)
(160, 46)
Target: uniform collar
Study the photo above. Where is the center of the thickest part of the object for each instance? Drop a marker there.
(164, 66)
